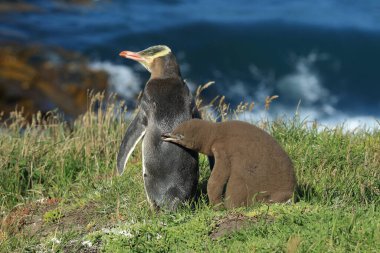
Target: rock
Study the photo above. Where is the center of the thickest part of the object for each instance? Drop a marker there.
(24, 6)
(39, 78)
(16, 6)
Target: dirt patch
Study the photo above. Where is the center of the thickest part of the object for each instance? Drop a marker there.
(33, 218)
(27, 215)
(85, 218)
(234, 222)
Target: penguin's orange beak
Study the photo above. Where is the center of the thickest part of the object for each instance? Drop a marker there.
(146, 61)
(132, 55)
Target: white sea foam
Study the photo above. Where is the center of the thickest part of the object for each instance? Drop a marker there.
(238, 89)
(352, 123)
(122, 79)
(304, 83)
(310, 115)
(302, 86)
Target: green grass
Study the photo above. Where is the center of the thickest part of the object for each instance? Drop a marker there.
(338, 209)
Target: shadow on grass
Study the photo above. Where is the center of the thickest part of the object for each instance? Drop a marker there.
(304, 192)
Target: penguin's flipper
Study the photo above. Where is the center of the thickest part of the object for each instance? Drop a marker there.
(135, 132)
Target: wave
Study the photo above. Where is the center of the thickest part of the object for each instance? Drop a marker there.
(310, 116)
(122, 79)
(151, 15)
(304, 83)
(301, 92)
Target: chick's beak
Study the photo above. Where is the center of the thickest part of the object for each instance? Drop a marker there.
(132, 55)
(170, 137)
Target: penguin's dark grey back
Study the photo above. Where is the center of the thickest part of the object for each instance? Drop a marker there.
(167, 102)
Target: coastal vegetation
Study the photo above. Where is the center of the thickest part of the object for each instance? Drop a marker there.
(59, 191)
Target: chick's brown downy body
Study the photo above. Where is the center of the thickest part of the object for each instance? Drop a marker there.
(248, 161)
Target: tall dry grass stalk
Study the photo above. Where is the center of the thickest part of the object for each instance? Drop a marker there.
(49, 156)
(218, 109)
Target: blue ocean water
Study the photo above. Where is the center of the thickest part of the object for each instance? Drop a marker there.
(323, 53)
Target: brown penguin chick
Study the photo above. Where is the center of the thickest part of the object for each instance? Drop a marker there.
(247, 159)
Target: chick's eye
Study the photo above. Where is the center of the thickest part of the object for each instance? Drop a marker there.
(181, 136)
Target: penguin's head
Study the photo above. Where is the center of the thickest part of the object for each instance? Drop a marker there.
(158, 60)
